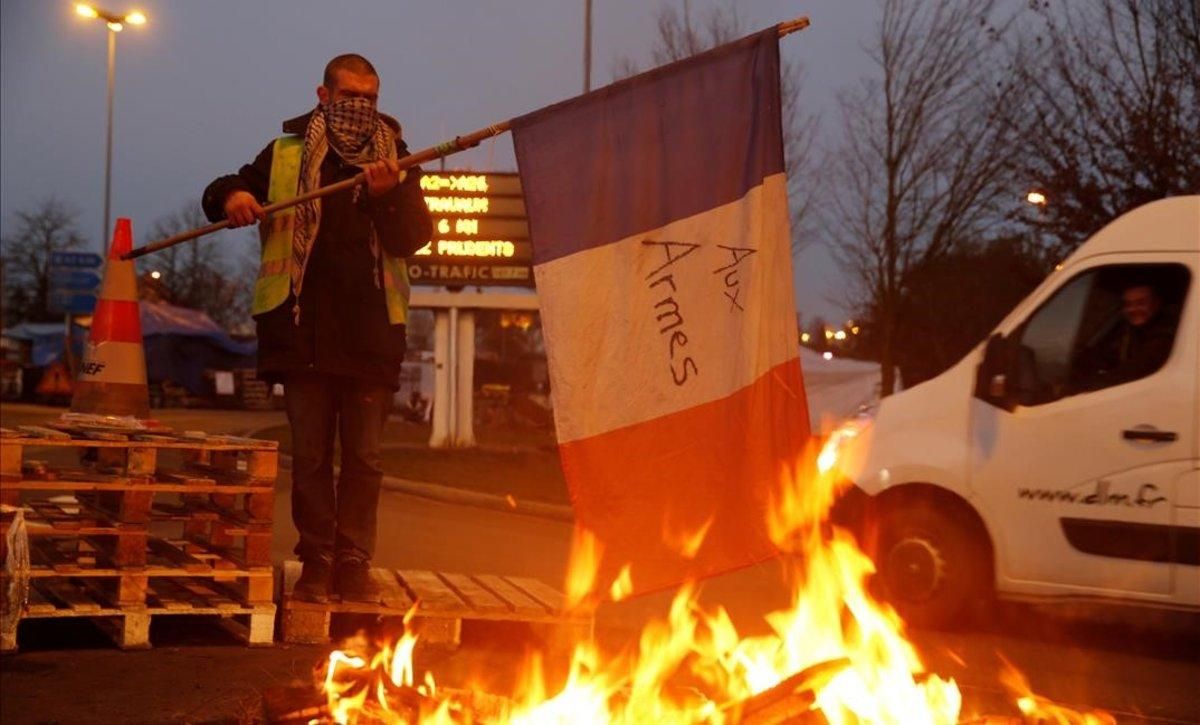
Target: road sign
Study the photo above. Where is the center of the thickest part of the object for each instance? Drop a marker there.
(76, 260)
(74, 279)
(77, 303)
(480, 232)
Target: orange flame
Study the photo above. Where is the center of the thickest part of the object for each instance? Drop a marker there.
(834, 649)
(1040, 709)
(622, 586)
(582, 568)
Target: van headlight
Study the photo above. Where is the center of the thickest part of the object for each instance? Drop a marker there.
(841, 436)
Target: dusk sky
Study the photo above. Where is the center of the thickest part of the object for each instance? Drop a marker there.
(203, 87)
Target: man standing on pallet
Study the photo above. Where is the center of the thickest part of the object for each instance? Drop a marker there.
(331, 305)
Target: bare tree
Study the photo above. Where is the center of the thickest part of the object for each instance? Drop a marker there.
(1115, 116)
(679, 37)
(47, 227)
(214, 274)
(924, 165)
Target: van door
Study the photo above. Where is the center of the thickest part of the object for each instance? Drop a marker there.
(1078, 479)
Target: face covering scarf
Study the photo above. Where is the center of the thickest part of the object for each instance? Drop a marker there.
(354, 130)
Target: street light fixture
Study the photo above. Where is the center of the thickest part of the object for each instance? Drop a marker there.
(1036, 198)
(116, 23)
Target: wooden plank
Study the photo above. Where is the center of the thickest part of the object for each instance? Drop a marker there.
(185, 478)
(112, 483)
(37, 431)
(390, 591)
(10, 461)
(168, 595)
(38, 603)
(124, 442)
(49, 555)
(133, 631)
(431, 592)
(142, 462)
(100, 435)
(479, 598)
(549, 597)
(64, 591)
(263, 465)
(521, 602)
(244, 598)
(176, 555)
(97, 592)
(210, 593)
(258, 630)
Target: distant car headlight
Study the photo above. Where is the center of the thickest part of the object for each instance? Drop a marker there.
(842, 435)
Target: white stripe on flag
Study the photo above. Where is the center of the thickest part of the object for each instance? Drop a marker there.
(671, 318)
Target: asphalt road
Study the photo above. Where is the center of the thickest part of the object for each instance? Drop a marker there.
(1141, 667)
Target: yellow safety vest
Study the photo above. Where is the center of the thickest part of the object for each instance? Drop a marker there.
(275, 270)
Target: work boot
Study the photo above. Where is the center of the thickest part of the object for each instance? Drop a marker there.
(352, 581)
(314, 582)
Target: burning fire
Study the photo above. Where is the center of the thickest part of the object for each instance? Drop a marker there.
(835, 651)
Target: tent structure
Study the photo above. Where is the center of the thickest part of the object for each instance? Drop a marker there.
(44, 341)
(181, 343)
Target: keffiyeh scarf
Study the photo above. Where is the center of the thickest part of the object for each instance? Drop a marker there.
(357, 134)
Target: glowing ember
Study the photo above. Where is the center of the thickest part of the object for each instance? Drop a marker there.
(835, 651)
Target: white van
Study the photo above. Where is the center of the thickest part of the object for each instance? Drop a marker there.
(1060, 459)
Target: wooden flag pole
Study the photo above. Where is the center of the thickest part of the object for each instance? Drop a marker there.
(458, 143)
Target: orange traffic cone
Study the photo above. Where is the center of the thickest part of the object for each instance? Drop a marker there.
(112, 376)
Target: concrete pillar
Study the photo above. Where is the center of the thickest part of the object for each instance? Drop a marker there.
(464, 388)
(442, 402)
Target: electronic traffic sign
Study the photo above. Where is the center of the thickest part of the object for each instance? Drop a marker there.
(480, 233)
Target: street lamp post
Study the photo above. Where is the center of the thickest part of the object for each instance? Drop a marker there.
(116, 23)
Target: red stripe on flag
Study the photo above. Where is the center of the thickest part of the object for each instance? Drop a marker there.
(720, 460)
(116, 321)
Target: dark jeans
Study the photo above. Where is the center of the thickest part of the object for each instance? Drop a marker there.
(335, 521)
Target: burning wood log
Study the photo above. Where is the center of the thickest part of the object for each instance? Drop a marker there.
(294, 704)
(790, 701)
(307, 704)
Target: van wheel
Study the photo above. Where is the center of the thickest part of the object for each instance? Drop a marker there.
(930, 564)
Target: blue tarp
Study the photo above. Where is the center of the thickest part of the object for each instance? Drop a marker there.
(46, 339)
(181, 343)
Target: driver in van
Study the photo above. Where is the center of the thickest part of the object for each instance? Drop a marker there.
(1138, 345)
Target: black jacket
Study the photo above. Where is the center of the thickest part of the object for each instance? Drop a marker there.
(343, 327)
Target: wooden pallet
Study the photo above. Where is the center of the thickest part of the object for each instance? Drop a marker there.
(122, 473)
(129, 626)
(150, 516)
(126, 586)
(443, 602)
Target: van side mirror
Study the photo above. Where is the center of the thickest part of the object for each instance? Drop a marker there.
(994, 383)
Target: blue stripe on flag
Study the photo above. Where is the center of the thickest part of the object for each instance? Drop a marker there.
(652, 149)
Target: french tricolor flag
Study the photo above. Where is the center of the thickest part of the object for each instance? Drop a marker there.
(658, 212)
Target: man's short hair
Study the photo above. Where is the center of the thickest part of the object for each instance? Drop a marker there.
(1138, 281)
(352, 62)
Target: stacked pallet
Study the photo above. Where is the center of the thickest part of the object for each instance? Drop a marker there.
(127, 525)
